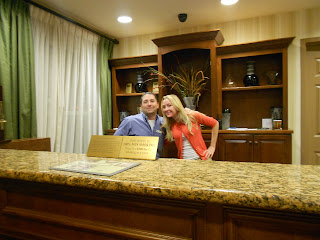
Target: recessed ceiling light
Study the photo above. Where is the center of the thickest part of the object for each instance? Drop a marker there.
(124, 19)
(228, 2)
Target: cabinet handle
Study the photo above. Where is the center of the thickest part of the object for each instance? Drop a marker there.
(250, 142)
(256, 142)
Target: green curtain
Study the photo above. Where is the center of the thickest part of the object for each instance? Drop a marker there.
(106, 49)
(17, 69)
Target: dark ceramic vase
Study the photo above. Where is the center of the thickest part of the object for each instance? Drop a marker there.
(251, 79)
(140, 87)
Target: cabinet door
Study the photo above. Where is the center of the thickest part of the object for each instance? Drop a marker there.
(251, 224)
(272, 148)
(236, 147)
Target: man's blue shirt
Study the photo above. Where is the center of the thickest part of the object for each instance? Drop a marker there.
(138, 125)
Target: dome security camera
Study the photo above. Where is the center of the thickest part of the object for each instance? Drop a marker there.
(182, 17)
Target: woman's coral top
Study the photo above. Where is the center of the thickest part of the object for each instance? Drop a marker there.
(196, 140)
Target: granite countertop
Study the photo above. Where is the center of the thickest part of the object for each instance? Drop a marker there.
(260, 185)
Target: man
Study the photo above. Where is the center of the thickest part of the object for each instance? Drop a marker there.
(147, 123)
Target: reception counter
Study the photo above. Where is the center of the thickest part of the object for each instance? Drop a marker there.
(162, 199)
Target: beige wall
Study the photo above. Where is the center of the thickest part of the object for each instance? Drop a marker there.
(301, 24)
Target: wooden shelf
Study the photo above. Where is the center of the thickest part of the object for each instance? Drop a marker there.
(251, 88)
(124, 71)
(193, 49)
(250, 104)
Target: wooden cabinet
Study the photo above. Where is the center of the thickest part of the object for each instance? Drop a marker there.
(264, 148)
(124, 71)
(267, 146)
(249, 105)
(199, 51)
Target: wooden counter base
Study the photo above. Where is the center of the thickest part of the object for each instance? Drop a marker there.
(47, 211)
(32, 144)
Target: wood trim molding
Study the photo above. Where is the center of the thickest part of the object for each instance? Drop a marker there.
(116, 62)
(32, 144)
(190, 37)
(255, 46)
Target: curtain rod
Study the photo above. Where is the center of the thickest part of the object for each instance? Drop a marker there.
(70, 20)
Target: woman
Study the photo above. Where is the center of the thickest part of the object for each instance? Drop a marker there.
(184, 129)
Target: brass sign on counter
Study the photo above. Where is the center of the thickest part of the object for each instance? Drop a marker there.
(132, 147)
(104, 146)
(139, 147)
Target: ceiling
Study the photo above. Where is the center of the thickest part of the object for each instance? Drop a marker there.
(151, 16)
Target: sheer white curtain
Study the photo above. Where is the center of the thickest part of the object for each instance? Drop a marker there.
(67, 82)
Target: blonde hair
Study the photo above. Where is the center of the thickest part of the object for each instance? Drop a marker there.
(181, 117)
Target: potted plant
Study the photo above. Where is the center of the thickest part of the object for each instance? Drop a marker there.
(188, 81)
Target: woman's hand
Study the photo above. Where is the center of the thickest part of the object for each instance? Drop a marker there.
(209, 152)
(214, 136)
